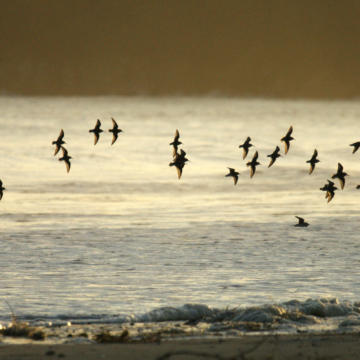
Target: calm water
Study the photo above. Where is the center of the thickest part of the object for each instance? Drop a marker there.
(121, 234)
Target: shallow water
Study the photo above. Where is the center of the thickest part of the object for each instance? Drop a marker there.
(120, 234)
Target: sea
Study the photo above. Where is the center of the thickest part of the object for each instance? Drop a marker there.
(120, 237)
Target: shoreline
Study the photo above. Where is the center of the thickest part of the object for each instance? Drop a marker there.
(300, 346)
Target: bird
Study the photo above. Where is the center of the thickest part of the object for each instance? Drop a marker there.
(234, 174)
(274, 155)
(179, 162)
(340, 174)
(253, 163)
(287, 138)
(356, 146)
(1, 189)
(96, 130)
(358, 187)
(175, 143)
(66, 158)
(246, 145)
(301, 223)
(115, 131)
(313, 161)
(330, 190)
(58, 142)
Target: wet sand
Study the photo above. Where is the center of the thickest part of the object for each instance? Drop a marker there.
(302, 346)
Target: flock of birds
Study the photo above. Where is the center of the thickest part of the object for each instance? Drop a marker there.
(180, 159)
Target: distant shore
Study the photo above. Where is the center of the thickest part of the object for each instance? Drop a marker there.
(301, 346)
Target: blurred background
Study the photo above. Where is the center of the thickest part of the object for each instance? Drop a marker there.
(262, 48)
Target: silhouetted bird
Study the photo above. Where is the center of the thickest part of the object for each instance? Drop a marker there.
(246, 146)
(1, 189)
(66, 158)
(340, 174)
(115, 131)
(234, 174)
(358, 186)
(356, 146)
(96, 130)
(301, 222)
(179, 162)
(287, 138)
(330, 190)
(313, 161)
(58, 142)
(274, 155)
(253, 163)
(176, 142)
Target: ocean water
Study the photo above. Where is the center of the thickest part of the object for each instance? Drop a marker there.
(121, 235)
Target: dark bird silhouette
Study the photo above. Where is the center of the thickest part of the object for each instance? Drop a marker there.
(96, 130)
(58, 142)
(274, 155)
(287, 138)
(179, 162)
(356, 146)
(115, 131)
(66, 158)
(358, 186)
(246, 146)
(175, 143)
(301, 222)
(253, 163)
(234, 174)
(330, 190)
(1, 189)
(313, 161)
(340, 174)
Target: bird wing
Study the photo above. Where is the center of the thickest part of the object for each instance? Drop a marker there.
(287, 146)
(256, 155)
(177, 135)
(315, 154)
(252, 170)
(245, 152)
(272, 161)
(235, 177)
(57, 148)
(340, 168)
(98, 124)
(96, 138)
(61, 135)
(179, 172)
(312, 167)
(114, 138)
(342, 183)
(1, 194)
(68, 165)
(330, 195)
(301, 220)
(115, 125)
(289, 131)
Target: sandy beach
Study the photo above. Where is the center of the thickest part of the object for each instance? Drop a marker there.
(302, 346)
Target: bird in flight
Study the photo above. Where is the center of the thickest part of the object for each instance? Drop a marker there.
(66, 158)
(287, 138)
(58, 142)
(274, 155)
(96, 130)
(253, 163)
(1, 189)
(356, 146)
(175, 143)
(313, 161)
(115, 131)
(340, 174)
(301, 223)
(234, 174)
(246, 146)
